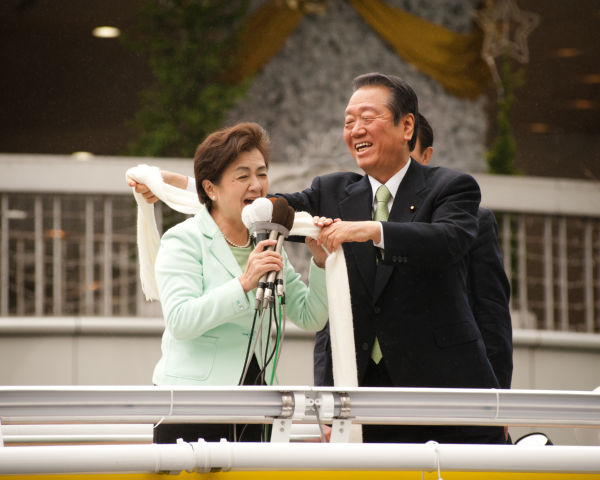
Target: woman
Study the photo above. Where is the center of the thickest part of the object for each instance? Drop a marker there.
(206, 269)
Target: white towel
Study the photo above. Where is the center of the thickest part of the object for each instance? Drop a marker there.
(338, 292)
(148, 239)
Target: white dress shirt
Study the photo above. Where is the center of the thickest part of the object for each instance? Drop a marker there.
(392, 185)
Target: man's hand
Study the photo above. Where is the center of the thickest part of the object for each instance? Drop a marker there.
(338, 232)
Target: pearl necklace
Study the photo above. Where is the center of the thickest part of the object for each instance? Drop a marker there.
(235, 244)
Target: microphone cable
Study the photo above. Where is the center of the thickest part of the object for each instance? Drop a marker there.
(247, 358)
(267, 358)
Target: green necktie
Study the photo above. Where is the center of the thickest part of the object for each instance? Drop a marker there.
(382, 195)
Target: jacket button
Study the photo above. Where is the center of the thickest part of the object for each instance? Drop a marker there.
(365, 346)
(377, 310)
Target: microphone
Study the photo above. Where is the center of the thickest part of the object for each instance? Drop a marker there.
(257, 216)
(287, 223)
(279, 277)
(265, 218)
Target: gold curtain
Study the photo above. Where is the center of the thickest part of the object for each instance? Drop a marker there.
(452, 59)
(263, 35)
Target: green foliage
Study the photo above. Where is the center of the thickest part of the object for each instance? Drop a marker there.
(500, 158)
(190, 45)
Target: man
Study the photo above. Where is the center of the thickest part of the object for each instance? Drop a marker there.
(413, 323)
(488, 287)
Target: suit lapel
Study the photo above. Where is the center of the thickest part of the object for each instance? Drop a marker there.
(216, 243)
(408, 199)
(407, 203)
(357, 207)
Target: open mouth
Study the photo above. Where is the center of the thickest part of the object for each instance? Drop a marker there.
(248, 201)
(362, 146)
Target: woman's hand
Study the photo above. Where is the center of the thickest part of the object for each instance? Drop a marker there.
(319, 254)
(260, 261)
(172, 178)
(142, 189)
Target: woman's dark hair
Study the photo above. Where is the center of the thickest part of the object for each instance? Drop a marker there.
(403, 99)
(221, 148)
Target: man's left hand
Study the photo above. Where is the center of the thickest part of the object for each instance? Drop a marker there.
(332, 236)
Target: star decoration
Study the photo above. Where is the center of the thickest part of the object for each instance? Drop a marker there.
(505, 28)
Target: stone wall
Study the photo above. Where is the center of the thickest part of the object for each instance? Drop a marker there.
(300, 96)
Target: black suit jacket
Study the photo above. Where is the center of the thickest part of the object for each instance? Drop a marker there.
(489, 291)
(489, 294)
(415, 298)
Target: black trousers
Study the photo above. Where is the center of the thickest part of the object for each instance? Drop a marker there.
(377, 376)
(213, 432)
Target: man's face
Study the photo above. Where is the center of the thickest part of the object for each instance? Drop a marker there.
(379, 147)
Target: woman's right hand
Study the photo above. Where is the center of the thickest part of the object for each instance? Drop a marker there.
(260, 261)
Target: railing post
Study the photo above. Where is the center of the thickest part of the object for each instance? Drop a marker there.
(20, 275)
(39, 255)
(108, 257)
(522, 262)
(588, 275)
(563, 274)
(89, 255)
(4, 257)
(548, 275)
(57, 257)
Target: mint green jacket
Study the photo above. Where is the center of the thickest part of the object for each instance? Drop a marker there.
(207, 315)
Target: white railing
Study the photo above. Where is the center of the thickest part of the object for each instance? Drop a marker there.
(365, 405)
(67, 239)
(550, 239)
(204, 457)
(281, 406)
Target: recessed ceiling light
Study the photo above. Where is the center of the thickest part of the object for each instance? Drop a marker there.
(568, 52)
(82, 156)
(582, 104)
(592, 78)
(539, 128)
(106, 32)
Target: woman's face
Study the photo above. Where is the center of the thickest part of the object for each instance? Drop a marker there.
(242, 182)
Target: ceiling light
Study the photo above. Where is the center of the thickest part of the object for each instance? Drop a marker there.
(582, 104)
(539, 128)
(568, 52)
(592, 78)
(106, 32)
(82, 156)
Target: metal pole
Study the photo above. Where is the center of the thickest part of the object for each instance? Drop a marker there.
(39, 256)
(4, 257)
(224, 456)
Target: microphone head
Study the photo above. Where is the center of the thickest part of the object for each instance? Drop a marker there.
(258, 212)
(248, 217)
(263, 209)
(280, 211)
(289, 219)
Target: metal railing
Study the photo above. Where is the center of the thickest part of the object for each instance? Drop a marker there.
(281, 406)
(68, 245)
